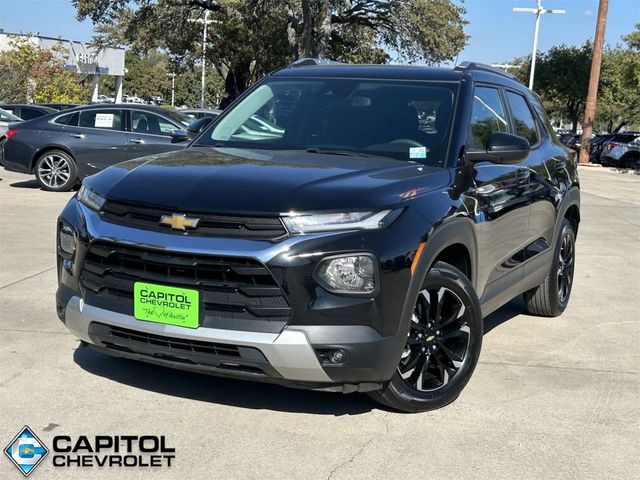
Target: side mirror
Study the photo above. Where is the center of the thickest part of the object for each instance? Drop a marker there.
(502, 148)
(197, 126)
(179, 136)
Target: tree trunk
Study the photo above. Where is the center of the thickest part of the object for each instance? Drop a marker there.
(324, 35)
(235, 83)
(307, 29)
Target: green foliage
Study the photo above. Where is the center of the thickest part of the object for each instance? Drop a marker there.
(619, 95)
(30, 73)
(562, 77)
(562, 74)
(633, 39)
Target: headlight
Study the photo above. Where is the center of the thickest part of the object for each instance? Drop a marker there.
(322, 222)
(66, 240)
(91, 199)
(353, 273)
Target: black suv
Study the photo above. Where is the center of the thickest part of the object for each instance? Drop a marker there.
(339, 227)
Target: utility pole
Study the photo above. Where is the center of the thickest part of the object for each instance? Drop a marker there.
(594, 78)
(206, 22)
(173, 87)
(538, 11)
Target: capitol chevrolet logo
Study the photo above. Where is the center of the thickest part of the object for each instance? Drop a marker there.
(179, 221)
(26, 451)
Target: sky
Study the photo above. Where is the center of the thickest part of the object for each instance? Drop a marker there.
(496, 34)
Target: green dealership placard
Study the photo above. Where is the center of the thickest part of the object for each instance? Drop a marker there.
(169, 305)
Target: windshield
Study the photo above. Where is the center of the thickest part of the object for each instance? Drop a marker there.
(178, 117)
(402, 120)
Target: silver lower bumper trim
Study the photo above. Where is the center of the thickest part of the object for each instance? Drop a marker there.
(289, 352)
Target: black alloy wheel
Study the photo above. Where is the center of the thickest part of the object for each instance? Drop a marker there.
(566, 259)
(438, 340)
(442, 347)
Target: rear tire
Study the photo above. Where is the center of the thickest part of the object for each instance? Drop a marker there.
(551, 297)
(443, 344)
(56, 171)
(633, 162)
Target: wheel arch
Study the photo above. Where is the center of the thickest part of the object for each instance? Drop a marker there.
(629, 156)
(570, 209)
(46, 149)
(449, 240)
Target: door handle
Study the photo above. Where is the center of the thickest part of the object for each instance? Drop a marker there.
(522, 175)
(136, 140)
(560, 165)
(76, 135)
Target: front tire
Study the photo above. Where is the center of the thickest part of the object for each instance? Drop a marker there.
(56, 171)
(443, 344)
(552, 297)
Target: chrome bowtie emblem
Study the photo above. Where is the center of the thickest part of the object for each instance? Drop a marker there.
(179, 221)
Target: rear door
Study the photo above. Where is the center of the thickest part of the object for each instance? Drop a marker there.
(98, 140)
(548, 178)
(150, 133)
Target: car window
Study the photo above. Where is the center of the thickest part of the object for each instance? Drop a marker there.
(28, 113)
(524, 124)
(402, 120)
(69, 119)
(150, 123)
(7, 116)
(487, 117)
(102, 119)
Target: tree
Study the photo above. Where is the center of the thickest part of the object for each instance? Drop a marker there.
(252, 37)
(426, 30)
(30, 73)
(561, 80)
(619, 96)
(562, 73)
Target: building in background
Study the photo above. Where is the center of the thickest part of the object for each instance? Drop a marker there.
(80, 58)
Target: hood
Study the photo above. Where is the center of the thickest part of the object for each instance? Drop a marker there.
(265, 181)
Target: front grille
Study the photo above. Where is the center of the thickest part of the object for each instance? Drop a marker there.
(179, 345)
(212, 225)
(214, 357)
(235, 293)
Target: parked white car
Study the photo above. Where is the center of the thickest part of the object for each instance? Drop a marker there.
(5, 119)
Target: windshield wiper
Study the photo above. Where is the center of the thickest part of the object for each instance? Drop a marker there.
(336, 151)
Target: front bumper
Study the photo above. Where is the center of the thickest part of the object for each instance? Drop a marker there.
(366, 329)
(289, 352)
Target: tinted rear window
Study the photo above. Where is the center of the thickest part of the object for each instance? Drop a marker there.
(70, 119)
(28, 113)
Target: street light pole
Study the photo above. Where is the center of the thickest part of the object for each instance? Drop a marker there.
(538, 11)
(206, 22)
(173, 87)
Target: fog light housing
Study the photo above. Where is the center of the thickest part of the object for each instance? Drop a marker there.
(348, 274)
(66, 241)
(332, 356)
(337, 356)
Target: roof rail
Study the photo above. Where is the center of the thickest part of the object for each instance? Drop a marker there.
(485, 68)
(307, 62)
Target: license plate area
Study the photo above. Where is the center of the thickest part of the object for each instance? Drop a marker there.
(168, 305)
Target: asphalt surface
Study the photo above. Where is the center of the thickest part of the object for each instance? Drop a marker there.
(550, 398)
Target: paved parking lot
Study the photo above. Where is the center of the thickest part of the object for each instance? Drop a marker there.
(551, 398)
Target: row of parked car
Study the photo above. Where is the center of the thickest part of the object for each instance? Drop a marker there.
(62, 145)
(611, 149)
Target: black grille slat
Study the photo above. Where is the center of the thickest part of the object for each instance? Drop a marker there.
(173, 343)
(231, 289)
(263, 228)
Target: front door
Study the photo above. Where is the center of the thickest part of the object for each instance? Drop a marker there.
(150, 134)
(496, 199)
